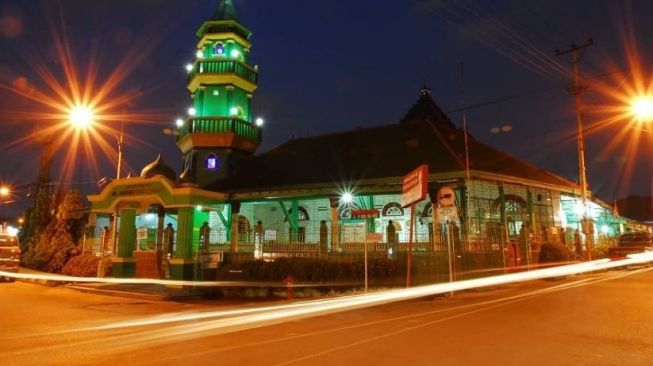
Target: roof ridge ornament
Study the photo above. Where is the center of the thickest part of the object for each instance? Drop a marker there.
(225, 11)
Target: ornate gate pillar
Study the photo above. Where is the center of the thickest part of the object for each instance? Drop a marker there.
(182, 264)
(124, 265)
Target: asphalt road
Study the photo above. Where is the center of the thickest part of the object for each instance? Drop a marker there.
(599, 319)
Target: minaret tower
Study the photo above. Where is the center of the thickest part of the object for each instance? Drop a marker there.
(219, 131)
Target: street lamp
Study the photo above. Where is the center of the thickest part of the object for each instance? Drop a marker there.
(5, 191)
(81, 116)
(641, 108)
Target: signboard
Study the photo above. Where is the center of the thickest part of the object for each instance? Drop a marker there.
(374, 237)
(141, 233)
(446, 197)
(365, 214)
(415, 186)
(354, 232)
(270, 235)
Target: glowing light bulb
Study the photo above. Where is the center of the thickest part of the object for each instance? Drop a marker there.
(642, 108)
(81, 117)
(192, 111)
(179, 122)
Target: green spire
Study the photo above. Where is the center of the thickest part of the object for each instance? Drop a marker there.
(225, 11)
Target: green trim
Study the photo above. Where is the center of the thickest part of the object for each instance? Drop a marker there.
(286, 213)
(531, 212)
(222, 219)
(228, 222)
(294, 223)
(185, 218)
(127, 233)
(371, 223)
(361, 202)
(502, 200)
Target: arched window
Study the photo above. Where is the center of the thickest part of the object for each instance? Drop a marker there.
(428, 210)
(392, 209)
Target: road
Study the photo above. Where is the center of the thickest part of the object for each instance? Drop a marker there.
(598, 319)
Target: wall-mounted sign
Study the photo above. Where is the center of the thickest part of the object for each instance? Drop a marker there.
(446, 197)
(270, 235)
(137, 190)
(415, 186)
(141, 233)
(374, 237)
(354, 232)
(365, 214)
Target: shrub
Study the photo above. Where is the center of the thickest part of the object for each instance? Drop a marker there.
(552, 253)
(85, 265)
(307, 270)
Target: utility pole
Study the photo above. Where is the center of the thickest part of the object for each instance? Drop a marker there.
(576, 90)
(120, 141)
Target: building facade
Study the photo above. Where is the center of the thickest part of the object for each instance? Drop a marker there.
(298, 198)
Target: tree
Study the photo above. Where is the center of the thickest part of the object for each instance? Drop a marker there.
(57, 243)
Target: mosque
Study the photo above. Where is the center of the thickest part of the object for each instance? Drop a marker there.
(326, 194)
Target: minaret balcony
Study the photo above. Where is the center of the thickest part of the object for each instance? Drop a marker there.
(220, 125)
(214, 71)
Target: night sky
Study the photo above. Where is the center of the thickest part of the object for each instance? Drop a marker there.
(331, 65)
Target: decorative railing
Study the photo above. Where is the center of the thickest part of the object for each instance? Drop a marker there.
(222, 125)
(315, 247)
(226, 66)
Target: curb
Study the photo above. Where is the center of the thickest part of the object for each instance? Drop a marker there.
(127, 294)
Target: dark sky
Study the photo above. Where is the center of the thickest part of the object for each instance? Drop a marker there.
(330, 65)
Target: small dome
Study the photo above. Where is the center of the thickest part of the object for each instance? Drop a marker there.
(158, 167)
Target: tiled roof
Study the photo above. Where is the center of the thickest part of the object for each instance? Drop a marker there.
(424, 136)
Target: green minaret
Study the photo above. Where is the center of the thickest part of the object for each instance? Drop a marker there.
(219, 130)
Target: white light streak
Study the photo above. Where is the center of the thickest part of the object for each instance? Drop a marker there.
(256, 317)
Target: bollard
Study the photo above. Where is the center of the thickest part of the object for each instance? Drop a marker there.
(290, 281)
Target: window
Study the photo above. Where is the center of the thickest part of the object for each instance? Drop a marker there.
(392, 209)
(219, 49)
(212, 162)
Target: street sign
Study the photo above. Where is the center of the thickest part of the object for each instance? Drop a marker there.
(415, 186)
(365, 214)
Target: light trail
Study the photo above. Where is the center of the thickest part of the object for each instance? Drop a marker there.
(255, 318)
(274, 314)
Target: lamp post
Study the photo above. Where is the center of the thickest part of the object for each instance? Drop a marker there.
(120, 140)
